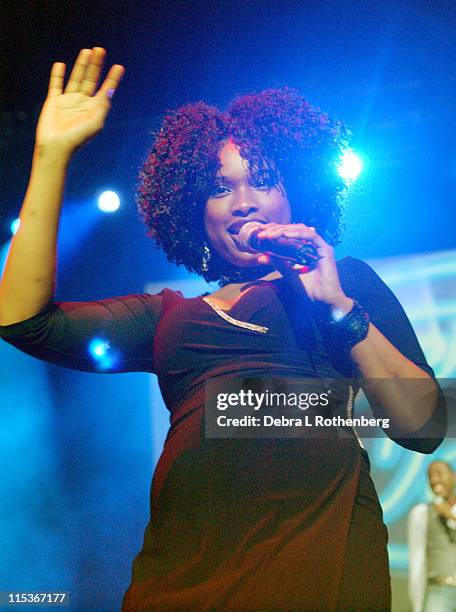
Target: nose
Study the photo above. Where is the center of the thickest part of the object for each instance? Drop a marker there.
(243, 206)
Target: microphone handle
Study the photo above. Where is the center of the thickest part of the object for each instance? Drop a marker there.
(307, 254)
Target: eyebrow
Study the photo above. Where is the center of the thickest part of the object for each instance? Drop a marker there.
(225, 179)
(222, 179)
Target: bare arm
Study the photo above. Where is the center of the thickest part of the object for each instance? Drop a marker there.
(395, 386)
(69, 118)
(417, 542)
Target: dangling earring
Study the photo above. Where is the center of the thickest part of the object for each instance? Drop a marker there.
(205, 259)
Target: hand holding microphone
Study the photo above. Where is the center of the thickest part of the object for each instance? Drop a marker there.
(446, 511)
(298, 243)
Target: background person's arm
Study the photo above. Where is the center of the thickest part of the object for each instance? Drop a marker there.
(416, 535)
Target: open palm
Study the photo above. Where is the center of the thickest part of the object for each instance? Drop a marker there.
(71, 116)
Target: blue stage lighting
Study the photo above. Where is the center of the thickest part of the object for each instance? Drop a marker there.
(98, 348)
(102, 354)
(108, 201)
(15, 225)
(350, 166)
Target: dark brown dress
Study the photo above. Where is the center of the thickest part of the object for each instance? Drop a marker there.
(242, 524)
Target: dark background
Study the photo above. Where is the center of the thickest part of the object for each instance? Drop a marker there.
(386, 68)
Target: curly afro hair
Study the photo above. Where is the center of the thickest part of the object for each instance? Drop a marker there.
(278, 133)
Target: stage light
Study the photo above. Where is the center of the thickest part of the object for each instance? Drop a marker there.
(98, 348)
(350, 166)
(108, 201)
(15, 225)
(102, 354)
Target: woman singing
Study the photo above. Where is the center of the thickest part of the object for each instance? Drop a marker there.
(236, 524)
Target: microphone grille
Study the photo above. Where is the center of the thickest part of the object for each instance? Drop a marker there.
(244, 235)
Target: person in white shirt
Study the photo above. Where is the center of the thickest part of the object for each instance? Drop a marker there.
(432, 545)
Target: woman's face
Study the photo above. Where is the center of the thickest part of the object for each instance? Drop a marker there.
(237, 201)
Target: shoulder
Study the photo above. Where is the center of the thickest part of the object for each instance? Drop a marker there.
(358, 278)
(171, 294)
(353, 268)
(172, 300)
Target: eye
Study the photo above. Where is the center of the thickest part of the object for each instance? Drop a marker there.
(261, 184)
(220, 190)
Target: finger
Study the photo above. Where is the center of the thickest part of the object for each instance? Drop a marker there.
(273, 230)
(111, 81)
(295, 228)
(305, 233)
(56, 79)
(93, 71)
(264, 260)
(299, 227)
(281, 231)
(77, 74)
(276, 229)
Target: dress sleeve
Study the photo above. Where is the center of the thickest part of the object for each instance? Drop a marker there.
(359, 281)
(111, 335)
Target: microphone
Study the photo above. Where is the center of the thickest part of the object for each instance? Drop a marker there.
(297, 251)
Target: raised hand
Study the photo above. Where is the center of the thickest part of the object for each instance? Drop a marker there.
(72, 115)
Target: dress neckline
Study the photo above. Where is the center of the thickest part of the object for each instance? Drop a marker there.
(213, 302)
(261, 283)
(225, 314)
